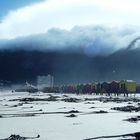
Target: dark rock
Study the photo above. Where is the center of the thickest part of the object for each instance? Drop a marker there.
(26, 100)
(20, 104)
(72, 115)
(113, 99)
(74, 100)
(96, 112)
(133, 119)
(127, 108)
(18, 137)
(73, 111)
(65, 96)
(52, 98)
(101, 111)
(92, 107)
(89, 103)
(136, 136)
(90, 99)
(15, 137)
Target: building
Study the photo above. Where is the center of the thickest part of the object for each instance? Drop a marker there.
(128, 86)
(98, 87)
(105, 87)
(138, 88)
(45, 81)
(114, 87)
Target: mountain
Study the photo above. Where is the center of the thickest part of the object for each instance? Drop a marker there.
(69, 67)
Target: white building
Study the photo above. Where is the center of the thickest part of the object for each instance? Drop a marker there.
(45, 81)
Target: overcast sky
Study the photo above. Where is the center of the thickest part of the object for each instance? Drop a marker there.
(27, 17)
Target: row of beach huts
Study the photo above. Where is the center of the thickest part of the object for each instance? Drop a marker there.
(114, 87)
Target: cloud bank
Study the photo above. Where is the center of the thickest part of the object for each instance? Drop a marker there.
(90, 40)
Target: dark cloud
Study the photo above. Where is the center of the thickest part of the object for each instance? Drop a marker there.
(69, 67)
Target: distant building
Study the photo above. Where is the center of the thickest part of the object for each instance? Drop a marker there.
(128, 86)
(138, 88)
(114, 87)
(45, 81)
(105, 87)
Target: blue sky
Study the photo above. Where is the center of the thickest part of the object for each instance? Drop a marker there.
(8, 5)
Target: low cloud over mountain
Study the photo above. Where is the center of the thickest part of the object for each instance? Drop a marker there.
(83, 54)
